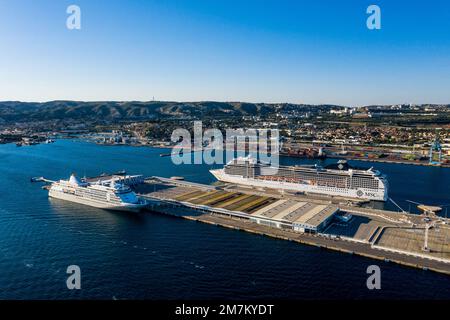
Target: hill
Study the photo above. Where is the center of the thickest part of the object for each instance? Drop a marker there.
(14, 111)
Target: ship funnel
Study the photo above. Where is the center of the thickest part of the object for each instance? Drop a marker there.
(74, 180)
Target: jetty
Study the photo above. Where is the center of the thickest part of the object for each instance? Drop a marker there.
(329, 223)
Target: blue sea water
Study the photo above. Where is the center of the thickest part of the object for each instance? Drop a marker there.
(153, 256)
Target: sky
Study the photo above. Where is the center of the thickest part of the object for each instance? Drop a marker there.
(295, 51)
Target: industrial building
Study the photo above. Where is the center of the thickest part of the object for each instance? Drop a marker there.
(299, 216)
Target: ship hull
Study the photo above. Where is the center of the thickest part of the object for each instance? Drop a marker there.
(361, 193)
(97, 204)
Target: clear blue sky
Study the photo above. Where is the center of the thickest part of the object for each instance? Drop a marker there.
(258, 51)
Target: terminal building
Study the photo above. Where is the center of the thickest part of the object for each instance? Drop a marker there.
(299, 216)
(296, 215)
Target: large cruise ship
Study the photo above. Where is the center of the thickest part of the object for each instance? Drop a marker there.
(339, 179)
(112, 194)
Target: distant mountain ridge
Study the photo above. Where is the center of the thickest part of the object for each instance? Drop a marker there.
(15, 111)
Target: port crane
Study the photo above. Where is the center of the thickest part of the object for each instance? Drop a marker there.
(429, 217)
(435, 153)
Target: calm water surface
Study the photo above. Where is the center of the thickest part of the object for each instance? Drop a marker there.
(152, 256)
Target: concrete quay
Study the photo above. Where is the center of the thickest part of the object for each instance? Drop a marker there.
(377, 234)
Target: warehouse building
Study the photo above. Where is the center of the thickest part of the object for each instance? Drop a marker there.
(296, 215)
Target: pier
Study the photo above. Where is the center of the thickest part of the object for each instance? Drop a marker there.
(330, 223)
(377, 234)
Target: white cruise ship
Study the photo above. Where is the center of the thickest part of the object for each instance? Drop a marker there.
(107, 194)
(338, 179)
